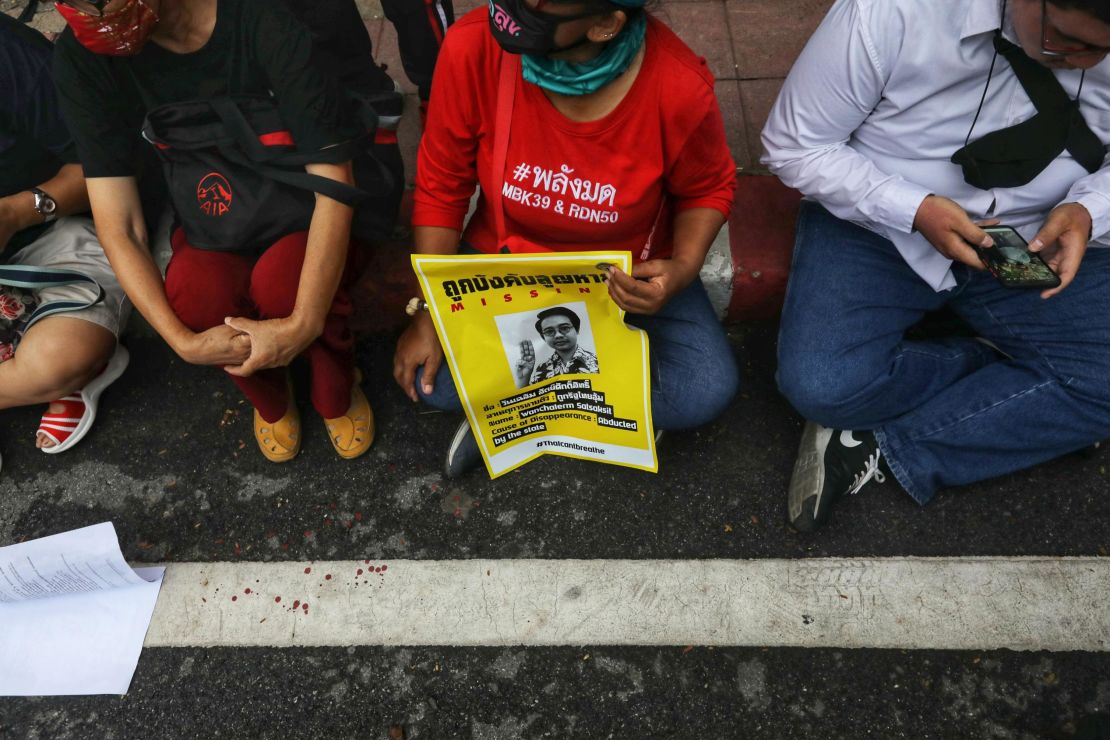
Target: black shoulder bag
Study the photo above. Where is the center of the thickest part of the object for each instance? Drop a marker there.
(237, 181)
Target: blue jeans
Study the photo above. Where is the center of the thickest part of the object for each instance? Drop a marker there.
(952, 411)
(693, 373)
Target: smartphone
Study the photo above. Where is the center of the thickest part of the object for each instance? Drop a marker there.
(1011, 262)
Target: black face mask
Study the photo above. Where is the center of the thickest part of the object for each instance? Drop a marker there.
(1014, 156)
(519, 29)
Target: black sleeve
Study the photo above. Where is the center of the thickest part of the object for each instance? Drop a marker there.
(96, 108)
(341, 43)
(29, 102)
(312, 104)
(42, 119)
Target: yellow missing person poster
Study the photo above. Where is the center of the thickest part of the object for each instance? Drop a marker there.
(541, 356)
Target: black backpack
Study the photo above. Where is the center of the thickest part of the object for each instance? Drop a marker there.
(237, 182)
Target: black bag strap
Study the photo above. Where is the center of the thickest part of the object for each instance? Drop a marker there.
(345, 194)
(1049, 98)
(243, 134)
(28, 13)
(251, 152)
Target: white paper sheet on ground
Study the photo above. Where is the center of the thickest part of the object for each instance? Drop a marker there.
(73, 614)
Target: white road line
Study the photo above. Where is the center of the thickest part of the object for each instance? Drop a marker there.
(915, 603)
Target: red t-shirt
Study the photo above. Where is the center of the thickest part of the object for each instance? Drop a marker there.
(614, 183)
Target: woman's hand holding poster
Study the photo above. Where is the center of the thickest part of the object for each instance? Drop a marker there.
(541, 356)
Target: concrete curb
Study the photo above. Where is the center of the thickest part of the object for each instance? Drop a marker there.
(761, 241)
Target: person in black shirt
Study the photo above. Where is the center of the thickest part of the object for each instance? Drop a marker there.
(421, 26)
(61, 358)
(249, 314)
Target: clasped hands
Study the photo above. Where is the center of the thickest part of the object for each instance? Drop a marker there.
(244, 346)
(1061, 241)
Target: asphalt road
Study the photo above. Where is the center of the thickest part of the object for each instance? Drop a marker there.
(504, 694)
(172, 463)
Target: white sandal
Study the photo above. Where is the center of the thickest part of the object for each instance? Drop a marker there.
(67, 428)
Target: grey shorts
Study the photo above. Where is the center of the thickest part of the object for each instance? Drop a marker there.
(72, 244)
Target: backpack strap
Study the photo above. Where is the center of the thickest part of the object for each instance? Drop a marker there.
(28, 13)
(251, 152)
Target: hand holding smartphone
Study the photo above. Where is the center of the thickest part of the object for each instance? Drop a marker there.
(1011, 262)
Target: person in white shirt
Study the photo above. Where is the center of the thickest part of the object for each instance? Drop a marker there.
(907, 129)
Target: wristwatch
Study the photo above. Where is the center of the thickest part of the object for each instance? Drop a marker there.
(45, 205)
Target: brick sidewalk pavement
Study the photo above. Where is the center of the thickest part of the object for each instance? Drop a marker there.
(749, 44)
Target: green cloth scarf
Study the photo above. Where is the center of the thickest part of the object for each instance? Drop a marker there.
(566, 78)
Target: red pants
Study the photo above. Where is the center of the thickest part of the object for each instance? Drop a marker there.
(204, 287)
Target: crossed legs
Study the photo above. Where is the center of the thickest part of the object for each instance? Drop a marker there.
(952, 411)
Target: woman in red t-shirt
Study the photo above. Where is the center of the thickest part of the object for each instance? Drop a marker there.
(609, 94)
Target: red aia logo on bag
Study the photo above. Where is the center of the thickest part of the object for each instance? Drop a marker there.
(214, 194)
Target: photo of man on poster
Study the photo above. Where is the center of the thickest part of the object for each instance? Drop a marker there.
(559, 327)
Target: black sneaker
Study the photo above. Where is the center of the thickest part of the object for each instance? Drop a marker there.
(463, 454)
(831, 463)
